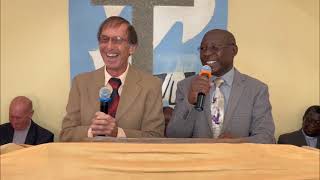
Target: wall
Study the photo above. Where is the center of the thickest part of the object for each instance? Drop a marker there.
(278, 44)
(35, 57)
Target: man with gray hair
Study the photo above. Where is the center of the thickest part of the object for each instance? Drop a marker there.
(22, 129)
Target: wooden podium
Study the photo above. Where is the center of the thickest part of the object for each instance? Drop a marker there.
(160, 159)
(161, 140)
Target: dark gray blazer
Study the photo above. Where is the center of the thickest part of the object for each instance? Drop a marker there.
(248, 113)
(295, 138)
(36, 134)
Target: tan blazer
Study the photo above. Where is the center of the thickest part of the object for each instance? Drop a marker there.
(139, 111)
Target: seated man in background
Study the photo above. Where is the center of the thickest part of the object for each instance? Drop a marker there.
(21, 129)
(167, 112)
(309, 134)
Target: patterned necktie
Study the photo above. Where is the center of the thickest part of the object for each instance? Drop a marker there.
(217, 109)
(115, 84)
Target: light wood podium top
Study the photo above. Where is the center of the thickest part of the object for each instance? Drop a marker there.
(161, 140)
(152, 159)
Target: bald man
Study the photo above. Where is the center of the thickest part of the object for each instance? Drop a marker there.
(235, 105)
(21, 129)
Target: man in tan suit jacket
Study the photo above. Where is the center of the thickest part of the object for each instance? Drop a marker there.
(139, 112)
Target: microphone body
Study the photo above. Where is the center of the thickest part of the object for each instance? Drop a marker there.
(205, 71)
(104, 106)
(104, 97)
(200, 101)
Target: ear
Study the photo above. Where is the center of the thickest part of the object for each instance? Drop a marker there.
(235, 50)
(132, 48)
(31, 114)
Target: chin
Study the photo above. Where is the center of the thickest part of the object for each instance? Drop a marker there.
(312, 134)
(112, 65)
(18, 128)
(217, 73)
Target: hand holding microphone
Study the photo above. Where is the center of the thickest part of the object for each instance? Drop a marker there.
(103, 124)
(104, 97)
(200, 86)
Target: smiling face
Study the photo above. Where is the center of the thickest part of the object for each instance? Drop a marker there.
(115, 48)
(218, 48)
(311, 124)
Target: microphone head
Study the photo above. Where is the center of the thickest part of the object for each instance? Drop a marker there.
(205, 71)
(104, 94)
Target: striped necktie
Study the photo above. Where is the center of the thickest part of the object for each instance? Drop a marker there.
(115, 98)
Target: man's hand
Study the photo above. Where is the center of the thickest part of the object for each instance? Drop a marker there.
(198, 84)
(104, 124)
(226, 136)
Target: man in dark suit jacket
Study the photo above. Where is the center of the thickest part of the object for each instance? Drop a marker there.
(309, 134)
(247, 110)
(21, 129)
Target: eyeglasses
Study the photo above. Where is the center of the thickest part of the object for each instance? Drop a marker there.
(114, 40)
(312, 120)
(213, 48)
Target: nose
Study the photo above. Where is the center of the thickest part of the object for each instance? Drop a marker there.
(209, 55)
(109, 45)
(207, 52)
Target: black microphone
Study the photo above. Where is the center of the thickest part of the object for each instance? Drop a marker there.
(205, 71)
(104, 97)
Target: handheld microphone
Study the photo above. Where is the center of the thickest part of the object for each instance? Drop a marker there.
(104, 97)
(205, 71)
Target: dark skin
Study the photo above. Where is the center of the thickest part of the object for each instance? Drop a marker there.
(217, 49)
(311, 124)
(167, 112)
(217, 46)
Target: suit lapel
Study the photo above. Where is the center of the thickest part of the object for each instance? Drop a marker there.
(207, 111)
(10, 133)
(129, 92)
(97, 82)
(31, 135)
(301, 140)
(235, 94)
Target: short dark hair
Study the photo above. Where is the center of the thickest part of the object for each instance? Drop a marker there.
(312, 109)
(115, 21)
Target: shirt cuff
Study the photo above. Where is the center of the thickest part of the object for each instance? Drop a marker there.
(90, 135)
(121, 133)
